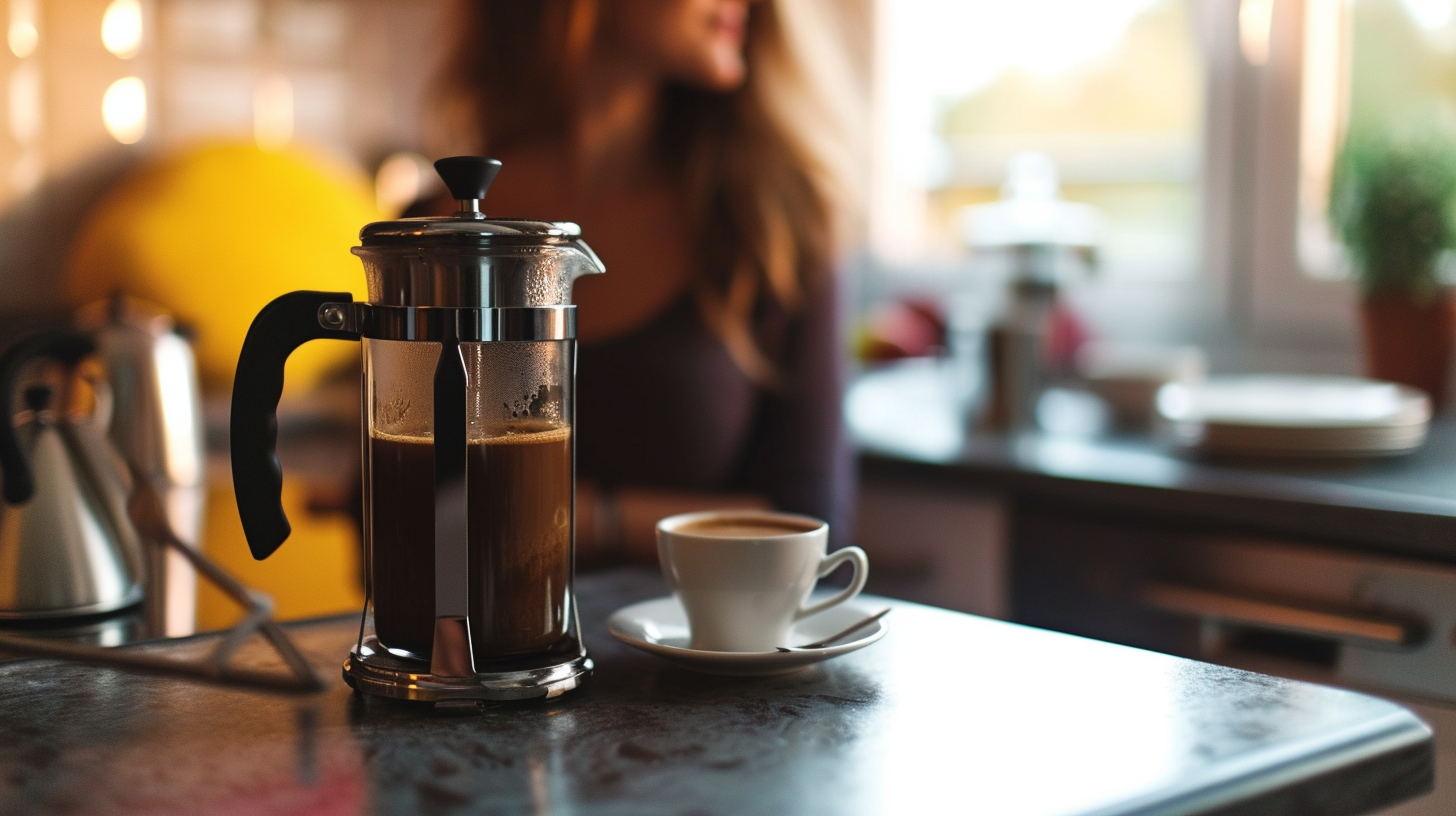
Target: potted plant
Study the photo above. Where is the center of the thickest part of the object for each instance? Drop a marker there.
(1393, 204)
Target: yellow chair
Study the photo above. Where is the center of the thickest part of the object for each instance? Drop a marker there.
(214, 232)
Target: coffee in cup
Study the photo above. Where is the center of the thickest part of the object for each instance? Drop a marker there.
(747, 527)
(744, 577)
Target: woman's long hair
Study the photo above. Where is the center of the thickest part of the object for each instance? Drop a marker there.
(765, 167)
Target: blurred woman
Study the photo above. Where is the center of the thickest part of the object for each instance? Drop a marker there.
(705, 161)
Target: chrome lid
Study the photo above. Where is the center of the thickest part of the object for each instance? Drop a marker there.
(468, 260)
(469, 179)
(465, 231)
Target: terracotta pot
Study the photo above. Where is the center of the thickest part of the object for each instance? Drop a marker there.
(1410, 342)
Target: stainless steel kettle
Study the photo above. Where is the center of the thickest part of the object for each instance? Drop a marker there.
(67, 545)
(156, 425)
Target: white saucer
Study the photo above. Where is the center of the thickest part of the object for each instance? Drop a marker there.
(659, 626)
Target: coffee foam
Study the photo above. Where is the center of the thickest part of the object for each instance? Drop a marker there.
(511, 436)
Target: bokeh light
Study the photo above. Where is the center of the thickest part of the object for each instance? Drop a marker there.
(121, 28)
(124, 110)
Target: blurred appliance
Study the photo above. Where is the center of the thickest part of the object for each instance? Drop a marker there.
(156, 424)
(67, 546)
(1128, 376)
(1295, 416)
(1036, 232)
(1382, 624)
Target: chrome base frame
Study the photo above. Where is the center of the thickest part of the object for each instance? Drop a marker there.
(372, 670)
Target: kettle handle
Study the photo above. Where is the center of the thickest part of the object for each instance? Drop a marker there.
(65, 345)
(282, 326)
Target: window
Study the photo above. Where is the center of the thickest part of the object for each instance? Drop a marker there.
(1368, 65)
(1114, 93)
(1204, 131)
(1111, 91)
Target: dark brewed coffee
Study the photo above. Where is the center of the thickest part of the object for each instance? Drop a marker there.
(745, 527)
(519, 489)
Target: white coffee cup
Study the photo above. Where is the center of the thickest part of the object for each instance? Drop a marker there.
(743, 576)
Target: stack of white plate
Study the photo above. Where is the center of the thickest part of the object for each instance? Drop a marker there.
(1295, 416)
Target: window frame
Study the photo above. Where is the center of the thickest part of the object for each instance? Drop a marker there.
(1285, 307)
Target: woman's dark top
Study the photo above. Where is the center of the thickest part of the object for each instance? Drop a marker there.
(666, 407)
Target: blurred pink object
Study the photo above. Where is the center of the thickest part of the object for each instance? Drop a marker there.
(911, 327)
(1066, 335)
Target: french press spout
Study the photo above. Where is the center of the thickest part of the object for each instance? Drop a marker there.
(469, 354)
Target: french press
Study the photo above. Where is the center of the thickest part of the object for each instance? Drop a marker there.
(469, 359)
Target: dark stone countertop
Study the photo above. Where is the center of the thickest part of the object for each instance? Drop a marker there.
(907, 427)
(948, 712)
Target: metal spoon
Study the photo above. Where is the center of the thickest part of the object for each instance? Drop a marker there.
(819, 644)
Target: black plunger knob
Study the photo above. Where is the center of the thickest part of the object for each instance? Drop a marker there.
(468, 177)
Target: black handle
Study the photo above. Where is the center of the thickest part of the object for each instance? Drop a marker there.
(69, 347)
(468, 177)
(283, 325)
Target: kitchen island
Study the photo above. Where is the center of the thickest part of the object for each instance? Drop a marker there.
(1112, 535)
(949, 712)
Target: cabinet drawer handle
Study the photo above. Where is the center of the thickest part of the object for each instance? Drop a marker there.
(1358, 629)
